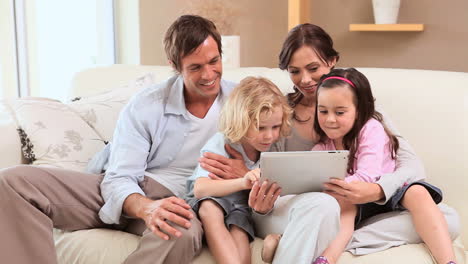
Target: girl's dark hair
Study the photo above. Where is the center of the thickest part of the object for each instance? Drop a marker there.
(185, 35)
(363, 101)
(309, 35)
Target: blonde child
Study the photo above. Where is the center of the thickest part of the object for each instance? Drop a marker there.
(255, 116)
(347, 120)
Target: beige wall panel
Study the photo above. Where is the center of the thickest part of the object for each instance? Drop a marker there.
(443, 45)
(262, 25)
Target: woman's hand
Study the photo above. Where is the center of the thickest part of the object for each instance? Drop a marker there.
(356, 192)
(221, 167)
(262, 197)
(251, 177)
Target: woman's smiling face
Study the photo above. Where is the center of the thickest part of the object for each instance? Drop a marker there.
(305, 70)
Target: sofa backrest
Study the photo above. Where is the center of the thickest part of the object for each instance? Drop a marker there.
(429, 108)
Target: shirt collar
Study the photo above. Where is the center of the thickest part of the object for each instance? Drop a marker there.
(175, 99)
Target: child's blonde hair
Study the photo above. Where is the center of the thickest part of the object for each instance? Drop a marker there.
(253, 96)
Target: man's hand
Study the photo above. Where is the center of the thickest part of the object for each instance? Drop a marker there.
(355, 192)
(262, 197)
(156, 213)
(221, 167)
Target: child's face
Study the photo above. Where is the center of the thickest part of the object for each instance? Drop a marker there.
(268, 132)
(336, 111)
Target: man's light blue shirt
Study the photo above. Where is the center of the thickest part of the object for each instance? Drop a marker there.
(145, 138)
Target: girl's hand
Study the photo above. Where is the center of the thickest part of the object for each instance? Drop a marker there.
(251, 177)
(356, 192)
(262, 198)
(221, 167)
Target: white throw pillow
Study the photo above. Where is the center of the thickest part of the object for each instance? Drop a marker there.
(54, 135)
(101, 111)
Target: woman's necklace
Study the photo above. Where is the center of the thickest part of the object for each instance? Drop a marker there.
(296, 117)
(301, 120)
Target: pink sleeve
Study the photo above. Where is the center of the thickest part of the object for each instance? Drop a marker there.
(328, 145)
(370, 154)
(318, 147)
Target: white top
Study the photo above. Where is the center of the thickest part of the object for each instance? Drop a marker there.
(174, 176)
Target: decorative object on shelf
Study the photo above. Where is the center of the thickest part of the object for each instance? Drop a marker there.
(231, 50)
(222, 13)
(386, 11)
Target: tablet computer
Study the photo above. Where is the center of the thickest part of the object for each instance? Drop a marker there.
(303, 171)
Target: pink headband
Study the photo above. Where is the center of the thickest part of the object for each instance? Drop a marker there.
(340, 78)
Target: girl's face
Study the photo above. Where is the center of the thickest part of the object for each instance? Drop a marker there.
(336, 111)
(267, 134)
(305, 69)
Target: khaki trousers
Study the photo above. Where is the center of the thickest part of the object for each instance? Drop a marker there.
(34, 200)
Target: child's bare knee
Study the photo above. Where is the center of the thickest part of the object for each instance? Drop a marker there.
(208, 209)
(415, 194)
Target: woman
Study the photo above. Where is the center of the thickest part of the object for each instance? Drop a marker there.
(306, 220)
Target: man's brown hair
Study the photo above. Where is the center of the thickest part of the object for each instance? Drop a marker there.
(185, 35)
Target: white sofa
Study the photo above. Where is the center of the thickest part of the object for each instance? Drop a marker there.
(430, 108)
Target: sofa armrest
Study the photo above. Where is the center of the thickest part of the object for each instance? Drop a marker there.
(10, 150)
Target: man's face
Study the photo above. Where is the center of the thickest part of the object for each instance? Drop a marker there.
(202, 70)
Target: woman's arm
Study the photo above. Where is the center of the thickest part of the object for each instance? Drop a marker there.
(409, 167)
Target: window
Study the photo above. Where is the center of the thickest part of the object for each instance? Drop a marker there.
(55, 39)
(8, 77)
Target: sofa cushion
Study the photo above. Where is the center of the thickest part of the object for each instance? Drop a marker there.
(54, 135)
(105, 246)
(101, 111)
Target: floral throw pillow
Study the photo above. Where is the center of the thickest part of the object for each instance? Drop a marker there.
(101, 111)
(53, 135)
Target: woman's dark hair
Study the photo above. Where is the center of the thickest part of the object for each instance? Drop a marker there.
(306, 35)
(185, 35)
(365, 109)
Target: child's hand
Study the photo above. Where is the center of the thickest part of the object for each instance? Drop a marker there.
(251, 177)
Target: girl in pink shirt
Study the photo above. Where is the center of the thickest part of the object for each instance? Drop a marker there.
(346, 119)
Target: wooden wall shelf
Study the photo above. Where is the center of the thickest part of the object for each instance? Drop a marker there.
(298, 12)
(386, 27)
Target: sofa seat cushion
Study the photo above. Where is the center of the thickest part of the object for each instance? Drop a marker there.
(105, 246)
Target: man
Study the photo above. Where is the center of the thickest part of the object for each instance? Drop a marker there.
(156, 145)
